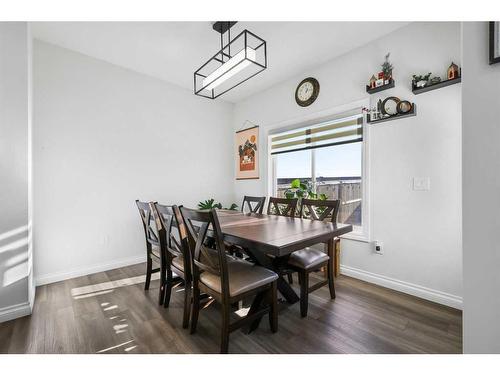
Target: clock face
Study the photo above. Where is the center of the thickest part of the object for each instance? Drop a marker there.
(307, 92)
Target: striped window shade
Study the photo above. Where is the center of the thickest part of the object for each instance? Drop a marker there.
(326, 133)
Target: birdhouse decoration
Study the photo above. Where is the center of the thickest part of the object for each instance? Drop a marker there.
(453, 71)
(373, 82)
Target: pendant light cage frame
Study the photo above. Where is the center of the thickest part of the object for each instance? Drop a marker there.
(240, 47)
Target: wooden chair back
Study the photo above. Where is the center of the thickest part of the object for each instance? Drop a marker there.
(282, 206)
(147, 224)
(169, 220)
(315, 209)
(258, 202)
(198, 223)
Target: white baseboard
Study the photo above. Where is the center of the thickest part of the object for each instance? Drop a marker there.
(405, 287)
(399, 285)
(15, 311)
(82, 271)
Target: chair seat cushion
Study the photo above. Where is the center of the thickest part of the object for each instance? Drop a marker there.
(307, 258)
(243, 277)
(155, 252)
(178, 262)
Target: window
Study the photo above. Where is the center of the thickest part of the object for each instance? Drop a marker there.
(327, 155)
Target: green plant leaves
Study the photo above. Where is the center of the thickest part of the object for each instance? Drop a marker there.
(210, 203)
(295, 184)
(206, 205)
(299, 189)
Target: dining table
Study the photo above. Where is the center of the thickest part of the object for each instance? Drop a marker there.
(270, 239)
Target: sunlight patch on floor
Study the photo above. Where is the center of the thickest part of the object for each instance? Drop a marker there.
(114, 347)
(242, 312)
(119, 327)
(111, 285)
(88, 295)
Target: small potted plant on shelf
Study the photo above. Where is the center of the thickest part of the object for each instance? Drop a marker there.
(434, 80)
(383, 77)
(387, 69)
(421, 80)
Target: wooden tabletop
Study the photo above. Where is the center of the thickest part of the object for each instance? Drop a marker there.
(276, 235)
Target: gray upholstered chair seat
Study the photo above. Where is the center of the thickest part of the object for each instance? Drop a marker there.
(178, 262)
(307, 258)
(155, 252)
(243, 276)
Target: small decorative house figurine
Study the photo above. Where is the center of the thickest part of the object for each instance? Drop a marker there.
(453, 71)
(372, 82)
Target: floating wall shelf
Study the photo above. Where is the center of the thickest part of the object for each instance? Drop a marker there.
(390, 85)
(448, 82)
(413, 112)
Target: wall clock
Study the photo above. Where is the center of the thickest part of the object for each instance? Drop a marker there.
(307, 91)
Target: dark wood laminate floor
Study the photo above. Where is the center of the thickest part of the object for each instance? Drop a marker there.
(109, 312)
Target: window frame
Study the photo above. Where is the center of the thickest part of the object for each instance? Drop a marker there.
(363, 233)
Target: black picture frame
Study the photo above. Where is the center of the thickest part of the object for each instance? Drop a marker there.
(493, 40)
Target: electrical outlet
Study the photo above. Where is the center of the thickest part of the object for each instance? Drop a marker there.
(378, 247)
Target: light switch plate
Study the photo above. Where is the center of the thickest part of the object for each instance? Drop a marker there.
(421, 183)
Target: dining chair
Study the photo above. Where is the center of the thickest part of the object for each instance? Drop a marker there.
(255, 205)
(227, 282)
(153, 249)
(258, 202)
(282, 206)
(310, 260)
(178, 259)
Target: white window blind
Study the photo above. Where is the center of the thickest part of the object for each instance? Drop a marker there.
(328, 133)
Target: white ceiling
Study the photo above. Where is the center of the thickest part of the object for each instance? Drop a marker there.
(173, 51)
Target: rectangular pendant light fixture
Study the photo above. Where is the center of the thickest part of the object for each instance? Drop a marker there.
(233, 66)
(227, 69)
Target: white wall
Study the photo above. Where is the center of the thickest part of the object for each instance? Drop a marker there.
(421, 231)
(14, 169)
(105, 136)
(481, 193)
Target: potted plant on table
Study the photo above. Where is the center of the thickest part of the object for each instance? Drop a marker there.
(301, 190)
(211, 203)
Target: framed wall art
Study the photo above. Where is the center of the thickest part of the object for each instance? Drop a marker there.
(247, 153)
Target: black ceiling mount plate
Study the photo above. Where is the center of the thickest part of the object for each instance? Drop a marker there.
(223, 26)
